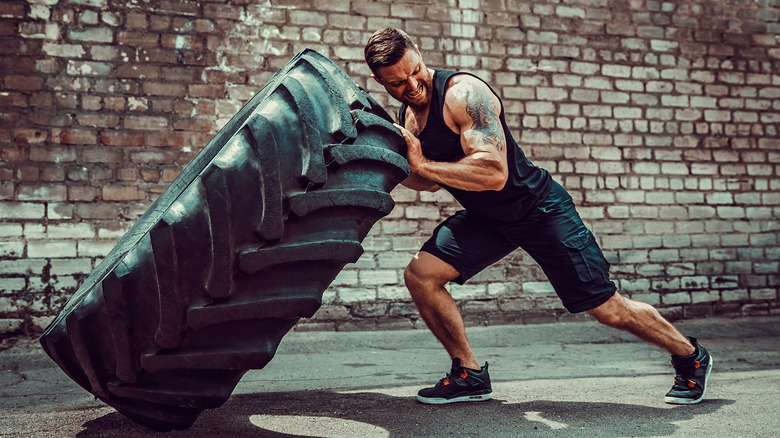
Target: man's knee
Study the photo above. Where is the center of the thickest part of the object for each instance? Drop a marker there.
(416, 277)
(426, 271)
(412, 275)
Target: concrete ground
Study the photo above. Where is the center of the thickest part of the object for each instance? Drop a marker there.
(553, 380)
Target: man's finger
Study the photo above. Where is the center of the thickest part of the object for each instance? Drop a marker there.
(402, 129)
(407, 135)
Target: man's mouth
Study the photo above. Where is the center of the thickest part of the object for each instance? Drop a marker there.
(416, 93)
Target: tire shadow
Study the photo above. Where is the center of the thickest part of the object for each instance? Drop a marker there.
(370, 414)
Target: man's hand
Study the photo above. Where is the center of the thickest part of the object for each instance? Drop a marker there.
(415, 157)
(414, 153)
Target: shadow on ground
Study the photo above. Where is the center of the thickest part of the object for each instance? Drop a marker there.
(369, 415)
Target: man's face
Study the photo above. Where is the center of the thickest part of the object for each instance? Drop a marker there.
(408, 80)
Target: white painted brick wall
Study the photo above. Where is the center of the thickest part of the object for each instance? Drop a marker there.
(664, 128)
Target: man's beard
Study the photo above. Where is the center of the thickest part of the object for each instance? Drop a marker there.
(420, 98)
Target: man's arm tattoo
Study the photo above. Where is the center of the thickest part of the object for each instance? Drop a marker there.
(486, 123)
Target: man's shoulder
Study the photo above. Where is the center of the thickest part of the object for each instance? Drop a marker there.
(460, 82)
(463, 87)
(460, 85)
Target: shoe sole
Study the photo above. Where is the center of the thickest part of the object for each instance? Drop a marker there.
(464, 398)
(688, 401)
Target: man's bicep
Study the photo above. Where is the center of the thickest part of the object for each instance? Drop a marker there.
(476, 111)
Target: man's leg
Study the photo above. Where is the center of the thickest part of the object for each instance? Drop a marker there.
(567, 251)
(692, 363)
(557, 239)
(644, 321)
(425, 278)
(459, 247)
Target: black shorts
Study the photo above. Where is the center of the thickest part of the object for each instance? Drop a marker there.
(553, 235)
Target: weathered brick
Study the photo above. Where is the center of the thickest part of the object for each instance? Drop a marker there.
(400, 227)
(614, 97)
(650, 31)
(687, 114)
(569, 11)
(88, 68)
(584, 68)
(566, 137)
(34, 192)
(566, 80)
(30, 136)
(164, 89)
(717, 116)
(539, 137)
(98, 121)
(554, 94)
(122, 193)
(422, 212)
(23, 83)
(597, 110)
(539, 108)
(645, 73)
(663, 45)
(703, 102)
(94, 35)
(542, 37)
(378, 277)
(580, 95)
(210, 91)
(182, 42)
(524, 93)
(145, 123)
(620, 71)
(74, 136)
(675, 101)
(137, 39)
(598, 83)
(51, 248)
(354, 295)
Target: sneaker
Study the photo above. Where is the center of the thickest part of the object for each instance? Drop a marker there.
(460, 385)
(692, 371)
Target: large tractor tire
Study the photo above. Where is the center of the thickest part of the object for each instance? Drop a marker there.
(235, 251)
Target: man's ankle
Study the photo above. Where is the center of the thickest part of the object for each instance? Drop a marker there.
(471, 365)
(688, 352)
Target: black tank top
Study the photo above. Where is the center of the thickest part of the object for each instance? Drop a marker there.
(526, 185)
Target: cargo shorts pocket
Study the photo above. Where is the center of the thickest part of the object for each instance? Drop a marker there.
(586, 255)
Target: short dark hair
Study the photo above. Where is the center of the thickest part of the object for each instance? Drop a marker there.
(386, 47)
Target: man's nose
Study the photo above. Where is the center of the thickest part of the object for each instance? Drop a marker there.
(413, 83)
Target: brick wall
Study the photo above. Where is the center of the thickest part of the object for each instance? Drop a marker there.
(661, 118)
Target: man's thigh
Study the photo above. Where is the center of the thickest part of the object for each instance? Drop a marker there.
(468, 244)
(556, 238)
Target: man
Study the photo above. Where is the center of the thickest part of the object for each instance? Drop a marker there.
(457, 139)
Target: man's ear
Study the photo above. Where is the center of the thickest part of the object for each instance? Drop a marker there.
(376, 78)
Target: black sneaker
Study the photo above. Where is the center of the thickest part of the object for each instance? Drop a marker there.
(460, 385)
(690, 383)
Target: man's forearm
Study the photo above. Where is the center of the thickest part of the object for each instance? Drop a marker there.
(416, 182)
(477, 172)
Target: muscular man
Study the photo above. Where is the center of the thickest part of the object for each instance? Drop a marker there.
(458, 140)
